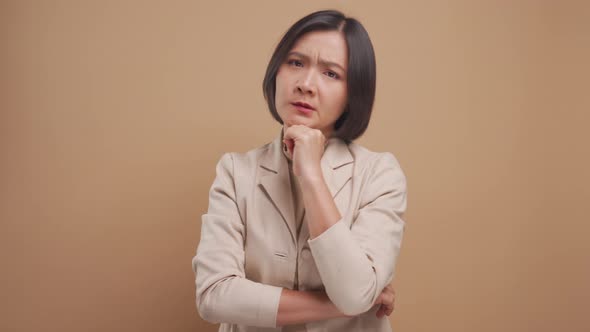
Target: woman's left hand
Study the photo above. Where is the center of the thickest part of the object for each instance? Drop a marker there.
(306, 146)
(386, 302)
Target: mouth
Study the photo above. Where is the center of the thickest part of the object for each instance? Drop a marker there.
(303, 107)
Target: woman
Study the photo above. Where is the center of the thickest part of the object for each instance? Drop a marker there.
(302, 234)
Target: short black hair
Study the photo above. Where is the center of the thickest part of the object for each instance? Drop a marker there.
(361, 74)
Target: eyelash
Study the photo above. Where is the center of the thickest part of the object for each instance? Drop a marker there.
(293, 62)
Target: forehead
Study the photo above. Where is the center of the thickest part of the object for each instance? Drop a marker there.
(328, 45)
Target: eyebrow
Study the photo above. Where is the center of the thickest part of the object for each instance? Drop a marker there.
(324, 62)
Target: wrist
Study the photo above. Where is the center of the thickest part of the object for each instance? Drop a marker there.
(311, 178)
(330, 307)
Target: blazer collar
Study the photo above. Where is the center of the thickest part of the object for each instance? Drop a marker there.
(336, 154)
(336, 163)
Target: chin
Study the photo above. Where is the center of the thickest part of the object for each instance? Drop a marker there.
(296, 120)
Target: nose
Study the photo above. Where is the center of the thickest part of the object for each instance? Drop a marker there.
(306, 83)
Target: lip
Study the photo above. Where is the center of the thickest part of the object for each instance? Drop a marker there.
(303, 107)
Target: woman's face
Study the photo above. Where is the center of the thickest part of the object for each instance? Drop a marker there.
(314, 73)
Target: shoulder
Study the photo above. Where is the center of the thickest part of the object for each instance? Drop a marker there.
(369, 160)
(381, 176)
(240, 161)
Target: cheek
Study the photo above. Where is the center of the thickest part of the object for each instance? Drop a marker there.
(281, 95)
(279, 86)
(340, 97)
(340, 102)
(344, 97)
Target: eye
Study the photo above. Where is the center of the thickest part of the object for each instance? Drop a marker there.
(295, 63)
(332, 74)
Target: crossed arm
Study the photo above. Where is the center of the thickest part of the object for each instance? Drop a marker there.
(296, 307)
(355, 276)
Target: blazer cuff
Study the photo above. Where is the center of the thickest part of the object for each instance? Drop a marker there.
(326, 237)
(334, 247)
(268, 305)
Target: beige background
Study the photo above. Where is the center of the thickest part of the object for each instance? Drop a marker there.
(114, 113)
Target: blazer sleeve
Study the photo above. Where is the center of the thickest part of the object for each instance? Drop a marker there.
(223, 294)
(356, 263)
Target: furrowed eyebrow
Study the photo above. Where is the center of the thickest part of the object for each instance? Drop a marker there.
(323, 62)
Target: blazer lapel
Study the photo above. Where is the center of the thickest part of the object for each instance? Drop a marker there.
(275, 182)
(336, 164)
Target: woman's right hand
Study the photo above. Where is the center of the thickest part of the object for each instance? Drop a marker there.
(386, 301)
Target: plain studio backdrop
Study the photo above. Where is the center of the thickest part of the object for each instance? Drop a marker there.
(114, 113)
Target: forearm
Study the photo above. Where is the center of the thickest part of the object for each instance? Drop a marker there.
(297, 307)
(237, 300)
(346, 271)
(320, 208)
(356, 258)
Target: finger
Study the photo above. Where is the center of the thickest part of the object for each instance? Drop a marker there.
(379, 299)
(381, 312)
(390, 289)
(389, 311)
(290, 145)
(388, 299)
(384, 310)
(287, 149)
(302, 132)
(293, 132)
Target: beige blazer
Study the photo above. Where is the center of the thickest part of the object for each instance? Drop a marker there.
(249, 248)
